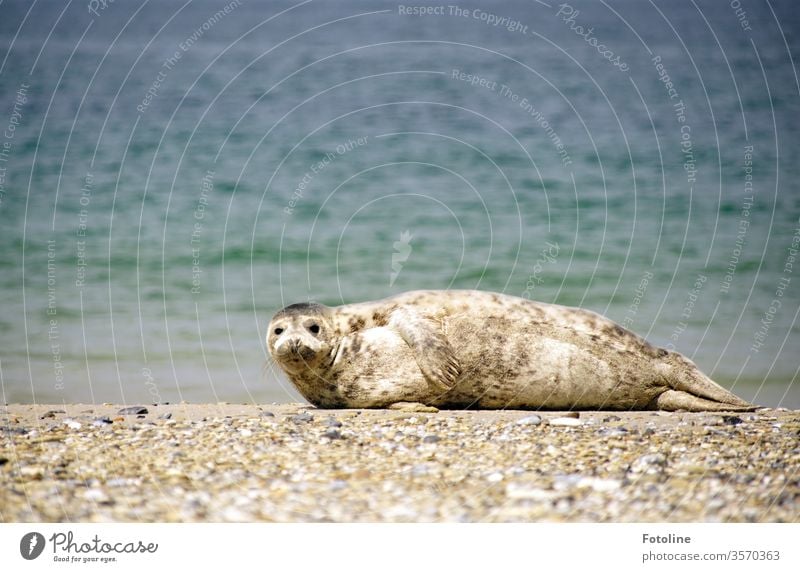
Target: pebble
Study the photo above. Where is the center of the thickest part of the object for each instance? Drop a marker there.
(421, 469)
(332, 434)
(304, 417)
(332, 422)
(612, 431)
(13, 430)
(524, 491)
(431, 439)
(599, 485)
(102, 422)
(337, 485)
(97, 495)
(565, 422)
(52, 413)
(33, 472)
(165, 416)
(566, 482)
(530, 420)
(649, 464)
(72, 424)
(133, 410)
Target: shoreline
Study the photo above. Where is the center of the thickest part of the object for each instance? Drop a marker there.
(294, 463)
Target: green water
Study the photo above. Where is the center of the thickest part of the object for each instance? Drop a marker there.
(173, 174)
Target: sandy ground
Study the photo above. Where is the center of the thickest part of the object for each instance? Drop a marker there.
(291, 462)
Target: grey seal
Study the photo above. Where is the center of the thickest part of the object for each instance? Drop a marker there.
(477, 349)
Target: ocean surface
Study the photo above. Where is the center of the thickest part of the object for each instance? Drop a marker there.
(172, 173)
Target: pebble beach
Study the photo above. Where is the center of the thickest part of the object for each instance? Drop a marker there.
(294, 463)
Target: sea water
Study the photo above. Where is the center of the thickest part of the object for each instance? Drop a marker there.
(172, 174)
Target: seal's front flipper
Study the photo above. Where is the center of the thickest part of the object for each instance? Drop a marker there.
(412, 407)
(434, 354)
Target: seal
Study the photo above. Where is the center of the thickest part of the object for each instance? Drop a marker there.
(476, 349)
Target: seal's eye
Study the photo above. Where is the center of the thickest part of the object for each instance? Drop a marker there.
(314, 328)
(278, 331)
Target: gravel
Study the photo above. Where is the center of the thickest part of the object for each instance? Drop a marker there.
(225, 462)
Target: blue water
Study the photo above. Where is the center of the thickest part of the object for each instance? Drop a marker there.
(173, 173)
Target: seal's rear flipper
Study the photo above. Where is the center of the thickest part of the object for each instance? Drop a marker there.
(685, 376)
(672, 400)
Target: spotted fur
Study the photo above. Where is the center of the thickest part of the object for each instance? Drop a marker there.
(467, 348)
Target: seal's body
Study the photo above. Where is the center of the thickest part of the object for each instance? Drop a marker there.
(468, 348)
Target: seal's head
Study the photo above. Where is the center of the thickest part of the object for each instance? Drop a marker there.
(300, 337)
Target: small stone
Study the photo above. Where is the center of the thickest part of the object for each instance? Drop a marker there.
(565, 482)
(530, 420)
(72, 424)
(304, 417)
(495, 477)
(32, 472)
(731, 420)
(332, 422)
(133, 410)
(612, 431)
(13, 430)
(97, 495)
(337, 485)
(266, 414)
(52, 413)
(121, 482)
(517, 491)
(332, 434)
(565, 422)
(599, 485)
(649, 464)
(611, 418)
(431, 439)
(165, 416)
(245, 432)
(102, 422)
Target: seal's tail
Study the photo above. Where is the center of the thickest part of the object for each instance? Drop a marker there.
(694, 391)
